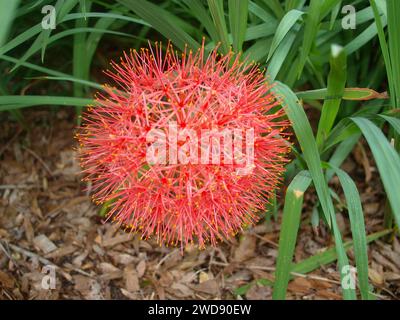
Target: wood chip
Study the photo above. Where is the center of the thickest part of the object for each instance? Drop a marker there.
(61, 252)
(89, 288)
(6, 280)
(182, 290)
(106, 267)
(391, 276)
(131, 279)
(300, 285)
(29, 233)
(123, 258)
(129, 295)
(259, 293)
(327, 294)
(44, 244)
(117, 240)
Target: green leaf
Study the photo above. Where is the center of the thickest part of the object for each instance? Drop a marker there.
(217, 12)
(394, 122)
(305, 136)
(243, 289)
(106, 15)
(275, 7)
(384, 48)
(260, 12)
(55, 75)
(280, 55)
(18, 102)
(288, 234)
(75, 80)
(238, 22)
(329, 255)
(80, 66)
(387, 161)
(257, 51)
(357, 229)
(36, 46)
(364, 37)
(62, 8)
(393, 13)
(293, 4)
(198, 10)
(21, 38)
(334, 13)
(336, 84)
(311, 28)
(7, 14)
(329, 6)
(287, 22)
(160, 20)
(348, 293)
(31, 32)
(314, 262)
(261, 30)
(356, 94)
(341, 153)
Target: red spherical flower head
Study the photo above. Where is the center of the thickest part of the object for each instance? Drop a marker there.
(186, 147)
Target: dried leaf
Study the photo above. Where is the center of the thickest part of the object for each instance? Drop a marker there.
(210, 287)
(246, 248)
(141, 268)
(375, 277)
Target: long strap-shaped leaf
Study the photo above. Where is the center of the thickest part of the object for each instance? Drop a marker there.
(384, 48)
(394, 122)
(7, 14)
(288, 235)
(18, 102)
(330, 255)
(160, 20)
(352, 94)
(36, 45)
(336, 84)
(348, 292)
(305, 136)
(393, 11)
(238, 12)
(218, 15)
(287, 22)
(357, 228)
(310, 32)
(387, 161)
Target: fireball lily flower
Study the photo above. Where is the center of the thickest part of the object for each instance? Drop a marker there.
(143, 146)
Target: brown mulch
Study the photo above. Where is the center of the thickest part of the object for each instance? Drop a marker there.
(47, 219)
